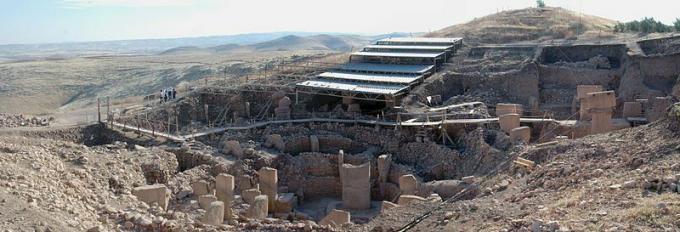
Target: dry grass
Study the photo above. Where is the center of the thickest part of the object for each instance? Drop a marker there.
(649, 212)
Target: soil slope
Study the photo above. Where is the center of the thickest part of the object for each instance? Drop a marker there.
(526, 25)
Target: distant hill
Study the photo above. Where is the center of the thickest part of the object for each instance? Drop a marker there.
(526, 25)
(137, 46)
(286, 43)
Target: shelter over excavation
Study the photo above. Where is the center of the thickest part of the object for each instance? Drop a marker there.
(384, 71)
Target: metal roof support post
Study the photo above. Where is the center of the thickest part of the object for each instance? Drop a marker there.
(99, 114)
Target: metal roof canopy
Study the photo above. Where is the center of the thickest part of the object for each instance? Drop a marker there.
(452, 41)
(383, 78)
(411, 47)
(385, 68)
(379, 89)
(399, 54)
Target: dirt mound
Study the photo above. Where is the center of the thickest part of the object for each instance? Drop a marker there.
(525, 25)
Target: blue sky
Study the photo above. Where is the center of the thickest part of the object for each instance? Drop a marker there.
(46, 21)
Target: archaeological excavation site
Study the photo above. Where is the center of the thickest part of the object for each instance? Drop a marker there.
(430, 133)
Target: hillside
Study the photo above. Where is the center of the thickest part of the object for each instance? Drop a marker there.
(526, 25)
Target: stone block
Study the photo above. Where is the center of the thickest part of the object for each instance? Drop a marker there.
(508, 122)
(522, 134)
(582, 91)
(335, 218)
(408, 184)
(632, 109)
(249, 195)
(468, 179)
(150, 194)
(205, 200)
(285, 203)
(386, 205)
(658, 108)
(214, 215)
(200, 188)
(231, 147)
(606, 99)
(259, 208)
(406, 199)
(314, 143)
(269, 184)
(505, 108)
(356, 186)
(276, 141)
(384, 162)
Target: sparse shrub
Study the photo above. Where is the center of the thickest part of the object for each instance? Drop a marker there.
(540, 3)
(646, 25)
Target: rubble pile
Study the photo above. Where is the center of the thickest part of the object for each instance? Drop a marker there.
(19, 120)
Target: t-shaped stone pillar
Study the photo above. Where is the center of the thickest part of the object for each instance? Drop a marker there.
(224, 190)
(356, 186)
(582, 92)
(269, 184)
(600, 105)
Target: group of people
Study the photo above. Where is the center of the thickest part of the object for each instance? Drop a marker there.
(168, 94)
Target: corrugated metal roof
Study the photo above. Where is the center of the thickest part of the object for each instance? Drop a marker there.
(393, 68)
(354, 87)
(421, 40)
(399, 54)
(386, 78)
(410, 47)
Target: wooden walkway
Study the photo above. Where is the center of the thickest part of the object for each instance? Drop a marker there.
(180, 138)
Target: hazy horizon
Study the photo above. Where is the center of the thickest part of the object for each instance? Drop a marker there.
(62, 21)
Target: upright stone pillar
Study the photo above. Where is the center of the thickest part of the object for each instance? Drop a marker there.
(658, 109)
(341, 161)
(283, 110)
(582, 92)
(269, 184)
(259, 208)
(384, 162)
(601, 106)
(356, 186)
(224, 190)
(632, 109)
(314, 143)
(214, 215)
(508, 122)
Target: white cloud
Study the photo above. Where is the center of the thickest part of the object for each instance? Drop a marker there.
(123, 3)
